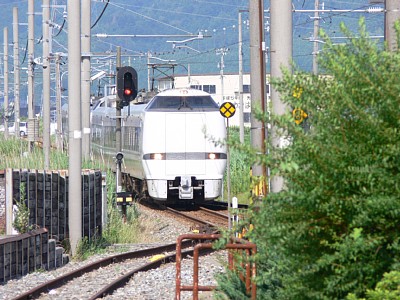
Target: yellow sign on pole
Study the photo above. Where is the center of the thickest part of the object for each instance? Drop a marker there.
(297, 91)
(299, 115)
(227, 109)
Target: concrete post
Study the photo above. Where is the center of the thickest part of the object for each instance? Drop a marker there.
(392, 8)
(59, 137)
(74, 124)
(281, 56)
(31, 101)
(258, 82)
(46, 84)
(16, 70)
(241, 107)
(86, 78)
(316, 29)
(5, 61)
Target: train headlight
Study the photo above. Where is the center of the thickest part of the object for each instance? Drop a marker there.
(157, 156)
(154, 156)
(213, 155)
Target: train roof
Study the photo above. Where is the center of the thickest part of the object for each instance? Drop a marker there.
(182, 92)
(182, 99)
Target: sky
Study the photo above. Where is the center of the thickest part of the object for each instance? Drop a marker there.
(216, 19)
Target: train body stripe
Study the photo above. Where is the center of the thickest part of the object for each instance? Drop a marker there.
(184, 156)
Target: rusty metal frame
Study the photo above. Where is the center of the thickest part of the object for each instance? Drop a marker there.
(237, 244)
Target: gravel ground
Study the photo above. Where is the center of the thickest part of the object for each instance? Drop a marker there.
(157, 228)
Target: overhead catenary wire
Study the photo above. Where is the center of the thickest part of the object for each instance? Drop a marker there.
(101, 14)
(150, 18)
(61, 29)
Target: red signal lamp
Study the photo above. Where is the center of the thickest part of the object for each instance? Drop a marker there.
(127, 92)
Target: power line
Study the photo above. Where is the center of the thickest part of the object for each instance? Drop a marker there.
(150, 18)
(101, 14)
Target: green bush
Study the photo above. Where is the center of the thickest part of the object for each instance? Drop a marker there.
(21, 221)
(333, 230)
(388, 288)
(240, 163)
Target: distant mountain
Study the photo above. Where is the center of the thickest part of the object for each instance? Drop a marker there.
(217, 21)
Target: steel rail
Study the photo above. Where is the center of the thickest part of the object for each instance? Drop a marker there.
(199, 221)
(61, 280)
(123, 280)
(213, 212)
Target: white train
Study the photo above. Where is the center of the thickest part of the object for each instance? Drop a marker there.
(172, 145)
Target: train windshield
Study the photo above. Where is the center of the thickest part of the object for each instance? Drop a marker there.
(178, 103)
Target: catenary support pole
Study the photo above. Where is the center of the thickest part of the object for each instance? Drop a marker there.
(31, 82)
(46, 83)
(258, 82)
(59, 136)
(86, 9)
(74, 124)
(16, 70)
(241, 121)
(392, 9)
(5, 65)
(316, 29)
(281, 56)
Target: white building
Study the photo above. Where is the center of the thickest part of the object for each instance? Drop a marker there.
(225, 89)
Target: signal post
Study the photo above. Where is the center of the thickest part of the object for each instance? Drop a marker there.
(118, 133)
(127, 88)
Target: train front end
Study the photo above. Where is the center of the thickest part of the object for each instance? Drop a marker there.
(184, 155)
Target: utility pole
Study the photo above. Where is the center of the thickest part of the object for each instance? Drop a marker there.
(148, 72)
(281, 56)
(316, 29)
(46, 84)
(5, 61)
(258, 82)
(221, 65)
(16, 70)
(241, 121)
(31, 101)
(392, 14)
(60, 144)
(74, 124)
(86, 9)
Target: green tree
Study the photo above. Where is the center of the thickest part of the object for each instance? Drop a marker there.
(388, 288)
(334, 229)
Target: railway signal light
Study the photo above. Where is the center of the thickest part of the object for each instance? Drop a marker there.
(127, 83)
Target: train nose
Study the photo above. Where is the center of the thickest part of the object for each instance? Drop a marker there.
(185, 188)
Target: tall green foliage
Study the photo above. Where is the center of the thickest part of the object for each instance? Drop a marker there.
(334, 229)
(240, 164)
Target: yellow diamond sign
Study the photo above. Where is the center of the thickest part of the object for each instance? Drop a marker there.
(299, 115)
(227, 109)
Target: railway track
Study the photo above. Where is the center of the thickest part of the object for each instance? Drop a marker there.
(130, 263)
(134, 262)
(205, 220)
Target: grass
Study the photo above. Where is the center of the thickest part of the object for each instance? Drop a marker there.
(14, 154)
(240, 164)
